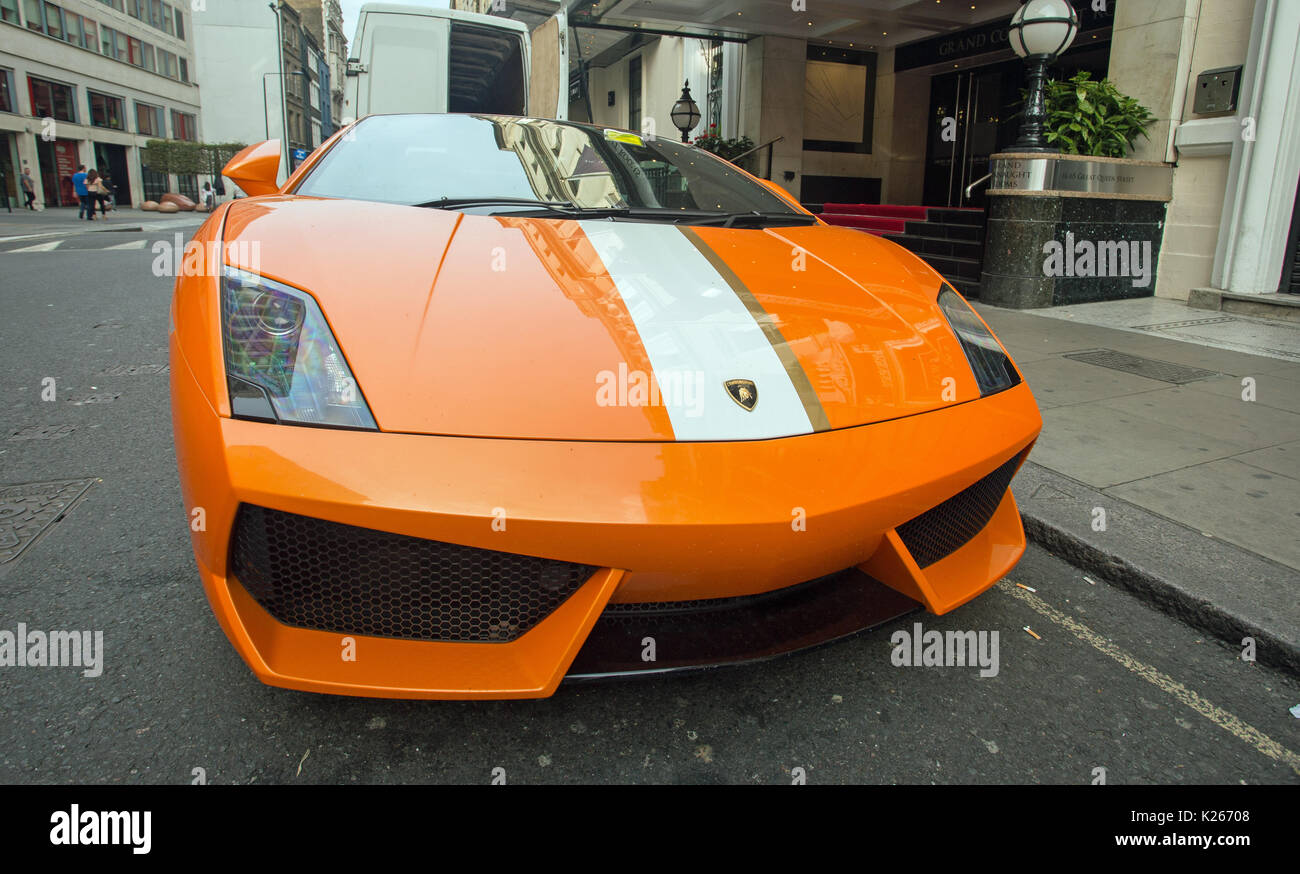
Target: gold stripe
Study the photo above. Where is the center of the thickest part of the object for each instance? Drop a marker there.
(812, 405)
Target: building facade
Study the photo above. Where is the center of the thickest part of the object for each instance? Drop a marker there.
(89, 82)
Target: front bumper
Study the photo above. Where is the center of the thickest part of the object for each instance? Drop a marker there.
(663, 522)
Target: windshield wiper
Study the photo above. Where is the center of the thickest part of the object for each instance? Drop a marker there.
(754, 218)
(457, 202)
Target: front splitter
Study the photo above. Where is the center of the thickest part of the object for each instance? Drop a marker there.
(656, 639)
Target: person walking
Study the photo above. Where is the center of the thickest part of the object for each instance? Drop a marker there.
(83, 193)
(98, 193)
(29, 188)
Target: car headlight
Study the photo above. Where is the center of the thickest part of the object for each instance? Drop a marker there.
(282, 362)
(992, 368)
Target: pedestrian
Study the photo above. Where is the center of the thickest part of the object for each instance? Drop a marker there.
(98, 192)
(83, 193)
(29, 188)
(112, 191)
(209, 196)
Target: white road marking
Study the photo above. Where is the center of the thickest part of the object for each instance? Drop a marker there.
(691, 321)
(1220, 717)
(134, 244)
(39, 247)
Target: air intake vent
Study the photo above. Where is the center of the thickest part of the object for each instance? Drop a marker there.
(946, 528)
(322, 575)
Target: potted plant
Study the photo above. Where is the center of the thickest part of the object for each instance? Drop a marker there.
(1091, 117)
(723, 148)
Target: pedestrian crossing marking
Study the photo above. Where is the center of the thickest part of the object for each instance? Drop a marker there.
(40, 247)
(134, 244)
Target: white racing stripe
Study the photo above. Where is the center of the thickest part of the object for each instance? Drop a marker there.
(694, 327)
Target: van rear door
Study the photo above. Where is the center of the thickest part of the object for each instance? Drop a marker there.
(403, 64)
(548, 77)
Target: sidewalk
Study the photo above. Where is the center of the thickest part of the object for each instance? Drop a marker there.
(1190, 446)
(56, 221)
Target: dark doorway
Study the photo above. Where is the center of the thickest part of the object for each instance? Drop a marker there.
(981, 106)
(110, 161)
(57, 162)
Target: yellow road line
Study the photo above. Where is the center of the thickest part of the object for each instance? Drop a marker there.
(1220, 717)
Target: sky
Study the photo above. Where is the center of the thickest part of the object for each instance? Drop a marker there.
(352, 9)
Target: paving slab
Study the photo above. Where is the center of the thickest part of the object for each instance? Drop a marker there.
(1058, 381)
(1102, 447)
(1254, 508)
(1227, 418)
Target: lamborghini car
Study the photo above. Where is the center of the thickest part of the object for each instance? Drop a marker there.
(473, 404)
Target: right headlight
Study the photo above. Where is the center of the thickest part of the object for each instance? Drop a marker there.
(282, 362)
(992, 368)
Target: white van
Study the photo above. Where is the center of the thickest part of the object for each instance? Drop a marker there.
(415, 59)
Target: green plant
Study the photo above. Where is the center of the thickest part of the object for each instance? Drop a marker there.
(1087, 117)
(186, 158)
(729, 149)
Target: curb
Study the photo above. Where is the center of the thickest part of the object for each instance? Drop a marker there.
(1159, 567)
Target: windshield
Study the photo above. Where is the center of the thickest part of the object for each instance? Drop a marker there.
(432, 159)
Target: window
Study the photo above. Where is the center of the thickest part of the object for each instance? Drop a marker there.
(155, 184)
(52, 99)
(32, 12)
(9, 10)
(72, 28)
(167, 25)
(149, 120)
(167, 64)
(150, 63)
(134, 55)
(54, 21)
(119, 42)
(106, 111)
(184, 126)
(180, 24)
(185, 70)
(106, 43)
(89, 38)
(634, 94)
(189, 186)
(7, 101)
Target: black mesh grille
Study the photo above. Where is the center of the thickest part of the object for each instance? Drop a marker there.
(311, 573)
(947, 527)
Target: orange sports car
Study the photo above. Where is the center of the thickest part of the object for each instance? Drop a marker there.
(472, 404)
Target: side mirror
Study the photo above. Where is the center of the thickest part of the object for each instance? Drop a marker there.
(255, 168)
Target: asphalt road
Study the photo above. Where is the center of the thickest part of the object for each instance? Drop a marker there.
(1109, 682)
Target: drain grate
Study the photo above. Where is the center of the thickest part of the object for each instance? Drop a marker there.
(42, 432)
(1185, 323)
(1164, 371)
(27, 510)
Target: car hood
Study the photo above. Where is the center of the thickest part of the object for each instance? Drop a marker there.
(495, 326)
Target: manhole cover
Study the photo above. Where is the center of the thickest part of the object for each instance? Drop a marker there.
(27, 510)
(1165, 371)
(134, 369)
(42, 432)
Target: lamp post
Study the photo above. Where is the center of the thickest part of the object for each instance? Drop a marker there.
(685, 113)
(1040, 31)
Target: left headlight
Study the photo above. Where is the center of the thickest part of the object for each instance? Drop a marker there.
(282, 362)
(992, 368)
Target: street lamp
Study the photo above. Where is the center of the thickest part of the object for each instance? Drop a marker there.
(686, 112)
(1040, 31)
